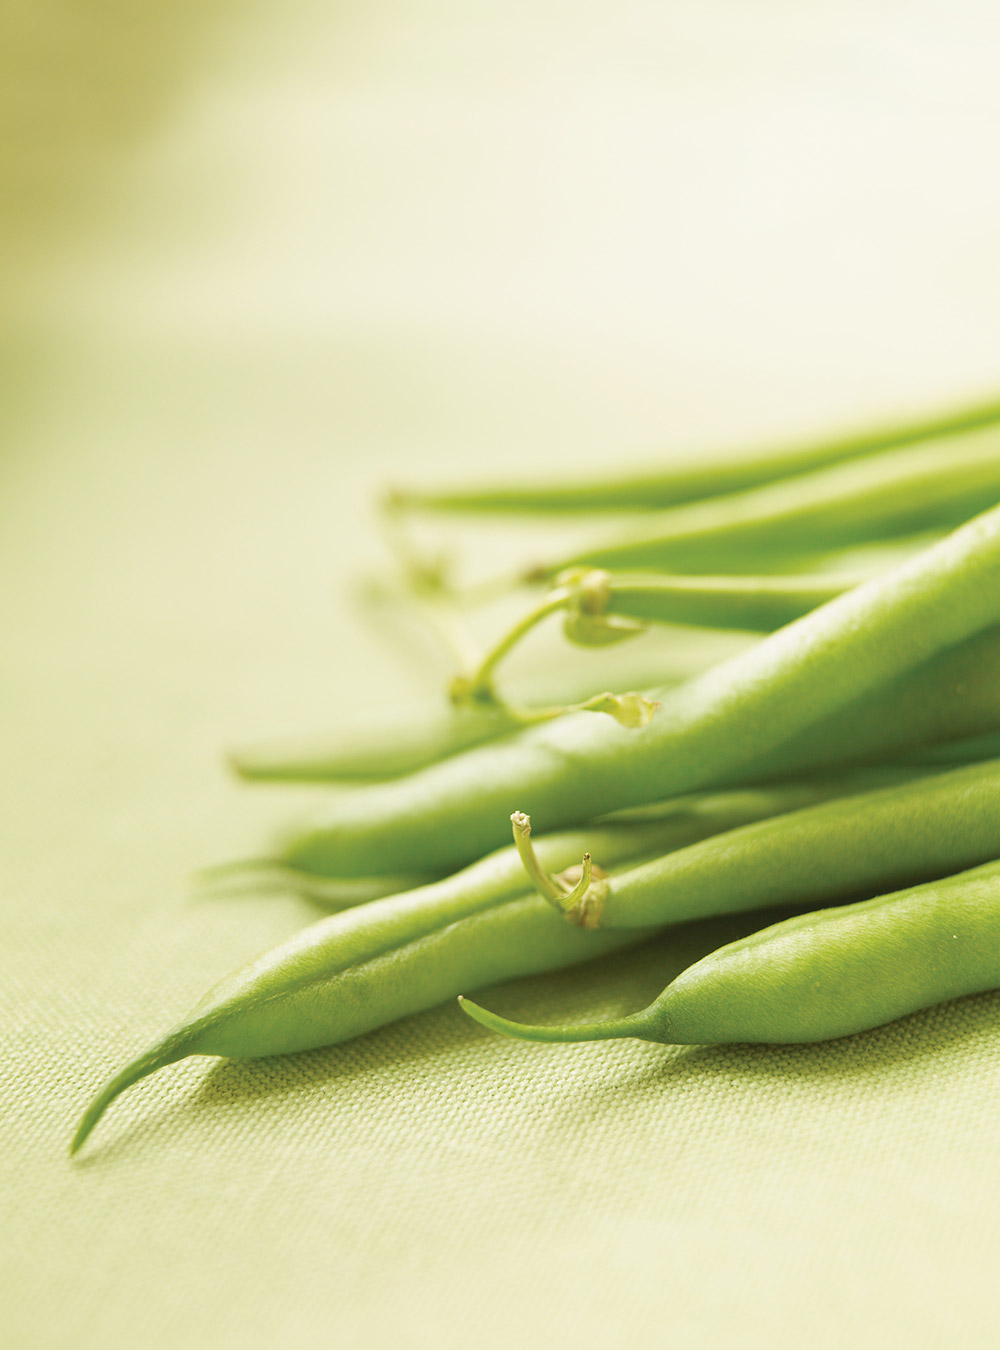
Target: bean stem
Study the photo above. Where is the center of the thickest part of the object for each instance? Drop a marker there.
(590, 594)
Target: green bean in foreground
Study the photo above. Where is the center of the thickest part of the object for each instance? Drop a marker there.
(857, 845)
(820, 975)
(949, 707)
(668, 825)
(358, 969)
(321, 989)
(697, 478)
(364, 967)
(707, 733)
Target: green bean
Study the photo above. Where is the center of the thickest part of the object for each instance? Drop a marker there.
(952, 698)
(363, 967)
(336, 980)
(895, 492)
(666, 825)
(934, 712)
(858, 844)
(269, 874)
(753, 604)
(821, 975)
(695, 479)
(392, 745)
(385, 749)
(760, 801)
(595, 602)
(326, 983)
(930, 715)
(964, 751)
(707, 732)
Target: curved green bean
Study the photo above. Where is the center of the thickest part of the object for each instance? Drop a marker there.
(946, 706)
(392, 746)
(644, 830)
(692, 480)
(895, 492)
(749, 603)
(931, 715)
(708, 732)
(821, 975)
(594, 602)
(333, 981)
(858, 844)
(337, 978)
(363, 967)
(380, 751)
(948, 700)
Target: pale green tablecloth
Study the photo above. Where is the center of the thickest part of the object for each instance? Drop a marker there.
(262, 259)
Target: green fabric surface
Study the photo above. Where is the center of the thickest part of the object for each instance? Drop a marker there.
(261, 264)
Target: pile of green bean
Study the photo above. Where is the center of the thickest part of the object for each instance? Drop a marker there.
(845, 763)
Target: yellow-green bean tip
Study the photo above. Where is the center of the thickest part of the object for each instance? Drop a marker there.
(587, 1031)
(495, 1022)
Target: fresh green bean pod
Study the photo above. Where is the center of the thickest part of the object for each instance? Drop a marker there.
(253, 875)
(360, 968)
(896, 492)
(392, 746)
(694, 479)
(707, 732)
(949, 705)
(931, 715)
(387, 749)
(935, 710)
(340, 978)
(865, 843)
(965, 751)
(391, 749)
(669, 825)
(820, 975)
(750, 603)
(500, 874)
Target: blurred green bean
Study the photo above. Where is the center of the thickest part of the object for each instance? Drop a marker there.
(694, 479)
(932, 486)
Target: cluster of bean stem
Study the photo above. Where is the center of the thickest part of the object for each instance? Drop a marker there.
(844, 763)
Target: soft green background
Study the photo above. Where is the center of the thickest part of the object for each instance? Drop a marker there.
(258, 260)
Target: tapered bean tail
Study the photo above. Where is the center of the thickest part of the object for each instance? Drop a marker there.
(331, 892)
(167, 1051)
(615, 1029)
